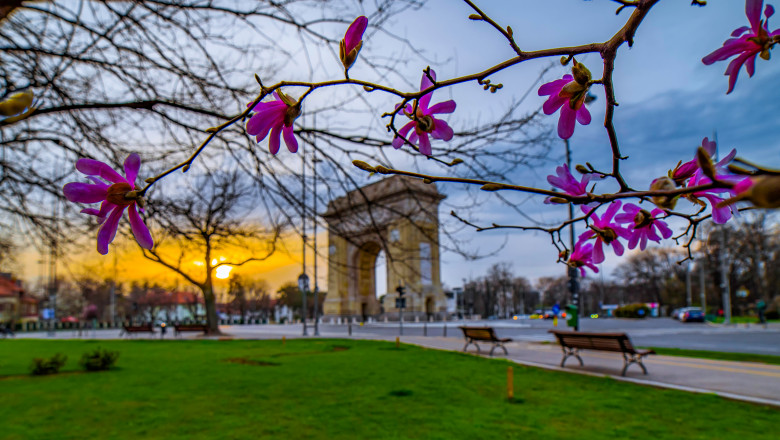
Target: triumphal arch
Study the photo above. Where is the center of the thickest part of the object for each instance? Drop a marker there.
(399, 215)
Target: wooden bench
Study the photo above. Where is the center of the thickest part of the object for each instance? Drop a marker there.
(484, 334)
(180, 328)
(143, 328)
(573, 342)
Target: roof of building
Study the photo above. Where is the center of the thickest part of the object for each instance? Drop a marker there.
(10, 287)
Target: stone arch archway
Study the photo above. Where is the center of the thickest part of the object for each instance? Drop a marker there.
(400, 216)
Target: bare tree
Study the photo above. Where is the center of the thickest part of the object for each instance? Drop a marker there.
(211, 214)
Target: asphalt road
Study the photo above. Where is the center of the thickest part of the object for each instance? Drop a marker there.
(656, 332)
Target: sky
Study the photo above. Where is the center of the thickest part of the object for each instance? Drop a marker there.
(668, 100)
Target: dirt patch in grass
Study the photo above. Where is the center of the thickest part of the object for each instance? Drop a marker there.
(247, 361)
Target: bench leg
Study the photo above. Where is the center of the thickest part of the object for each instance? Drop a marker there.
(569, 352)
(632, 359)
(498, 344)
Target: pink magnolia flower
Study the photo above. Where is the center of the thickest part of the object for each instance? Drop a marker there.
(605, 231)
(423, 121)
(747, 42)
(643, 225)
(353, 41)
(572, 91)
(275, 117)
(582, 257)
(116, 193)
(684, 171)
(722, 214)
(566, 181)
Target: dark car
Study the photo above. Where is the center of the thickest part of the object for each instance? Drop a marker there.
(693, 315)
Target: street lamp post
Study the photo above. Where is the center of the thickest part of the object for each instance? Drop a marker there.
(315, 160)
(573, 283)
(303, 286)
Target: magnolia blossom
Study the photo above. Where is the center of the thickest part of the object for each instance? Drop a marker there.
(116, 193)
(572, 91)
(747, 42)
(720, 213)
(643, 225)
(275, 117)
(582, 257)
(423, 121)
(684, 171)
(605, 231)
(353, 41)
(568, 183)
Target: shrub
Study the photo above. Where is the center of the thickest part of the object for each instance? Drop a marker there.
(640, 311)
(42, 366)
(99, 359)
(774, 314)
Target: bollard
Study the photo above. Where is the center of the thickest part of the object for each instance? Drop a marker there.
(349, 327)
(284, 340)
(445, 330)
(397, 342)
(555, 321)
(425, 329)
(510, 386)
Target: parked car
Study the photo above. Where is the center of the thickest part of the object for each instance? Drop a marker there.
(693, 314)
(69, 319)
(679, 313)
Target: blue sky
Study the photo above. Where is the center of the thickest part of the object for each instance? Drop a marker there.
(668, 99)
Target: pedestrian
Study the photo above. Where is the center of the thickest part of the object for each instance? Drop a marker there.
(761, 309)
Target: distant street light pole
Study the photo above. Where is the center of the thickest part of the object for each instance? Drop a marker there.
(303, 280)
(315, 160)
(573, 283)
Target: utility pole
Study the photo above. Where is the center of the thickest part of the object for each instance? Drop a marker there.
(702, 291)
(688, 294)
(724, 279)
(573, 283)
(315, 160)
(303, 286)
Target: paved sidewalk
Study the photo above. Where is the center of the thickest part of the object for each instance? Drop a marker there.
(749, 381)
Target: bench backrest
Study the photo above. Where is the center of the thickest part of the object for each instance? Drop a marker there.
(618, 342)
(479, 333)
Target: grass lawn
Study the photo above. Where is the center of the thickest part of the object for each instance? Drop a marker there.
(339, 389)
(720, 355)
(743, 320)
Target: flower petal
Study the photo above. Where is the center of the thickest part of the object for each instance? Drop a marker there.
(441, 130)
(753, 12)
(554, 87)
(289, 139)
(273, 139)
(140, 231)
(399, 141)
(566, 122)
(108, 229)
(355, 33)
(92, 167)
(583, 115)
(617, 246)
(425, 82)
(553, 103)
(598, 252)
(261, 123)
(425, 144)
(442, 107)
(132, 165)
(84, 192)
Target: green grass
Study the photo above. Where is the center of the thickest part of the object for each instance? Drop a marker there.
(719, 355)
(743, 320)
(339, 389)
